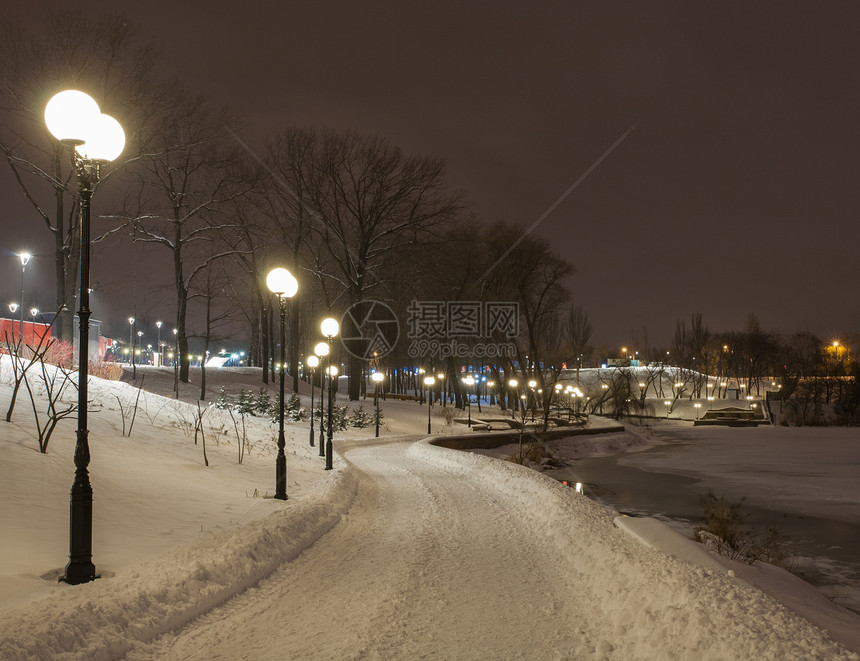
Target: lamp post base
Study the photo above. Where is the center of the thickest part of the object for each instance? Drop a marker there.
(328, 456)
(281, 476)
(80, 568)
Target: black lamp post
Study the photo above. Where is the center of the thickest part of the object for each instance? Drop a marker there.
(12, 308)
(25, 257)
(131, 337)
(176, 362)
(158, 344)
(313, 362)
(282, 283)
(321, 350)
(469, 381)
(512, 384)
(94, 139)
(429, 381)
(532, 397)
(330, 329)
(377, 377)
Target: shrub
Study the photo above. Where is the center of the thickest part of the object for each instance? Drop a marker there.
(61, 354)
(360, 418)
(263, 402)
(723, 532)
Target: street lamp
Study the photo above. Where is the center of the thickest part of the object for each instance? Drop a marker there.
(321, 350)
(312, 362)
(330, 329)
(176, 362)
(158, 343)
(377, 377)
(443, 394)
(512, 384)
(429, 381)
(131, 334)
(94, 139)
(24, 257)
(281, 283)
(469, 381)
(532, 386)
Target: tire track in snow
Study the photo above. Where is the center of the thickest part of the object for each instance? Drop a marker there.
(424, 564)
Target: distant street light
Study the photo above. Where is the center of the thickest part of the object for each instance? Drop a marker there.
(281, 283)
(24, 257)
(377, 377)
(131, 344)
(469, 381)
(321, 351)
(429, 381)
(93, 139)
(532, 386)
(330, 329)
(158, 342)
(312, 362)
(512, 384)
(176, 362)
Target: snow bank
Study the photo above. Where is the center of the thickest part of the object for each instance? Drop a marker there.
(99, 620)
(649, 605)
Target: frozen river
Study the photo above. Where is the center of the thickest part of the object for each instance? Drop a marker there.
(803, 482)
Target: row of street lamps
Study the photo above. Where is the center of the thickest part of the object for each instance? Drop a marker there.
(284, 285)
(93, 139)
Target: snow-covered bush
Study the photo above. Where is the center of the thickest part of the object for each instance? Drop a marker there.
(360, 418)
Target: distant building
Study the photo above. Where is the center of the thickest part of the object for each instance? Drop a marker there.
(33, 332)
(10, 331)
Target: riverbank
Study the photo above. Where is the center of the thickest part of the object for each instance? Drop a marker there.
(801, 480)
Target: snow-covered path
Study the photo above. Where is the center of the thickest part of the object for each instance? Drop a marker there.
(424, 563)
(446, 555)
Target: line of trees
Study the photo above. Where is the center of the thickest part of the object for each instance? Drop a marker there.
(352, 216)
(812, 373)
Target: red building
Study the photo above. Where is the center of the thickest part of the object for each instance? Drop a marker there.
(10, 331)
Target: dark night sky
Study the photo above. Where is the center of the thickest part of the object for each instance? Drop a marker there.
(735, 193)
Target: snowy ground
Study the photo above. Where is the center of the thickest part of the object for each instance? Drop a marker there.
(405, 550)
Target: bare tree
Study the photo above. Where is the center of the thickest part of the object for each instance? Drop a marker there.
(189, 171)
(71, 50)
(208, 288)
(578, 334)
(533, 276)
(373, 201)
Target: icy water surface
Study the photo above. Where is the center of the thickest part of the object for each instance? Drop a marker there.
(827, 551)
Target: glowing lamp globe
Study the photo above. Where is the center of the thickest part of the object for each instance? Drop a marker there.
(332, 370)
(429, 380)
(105, 139)
(329, 327)
(321, 349)
(74, 116)
(69, 114)
(378, 377)
(281, 282)
(313, 362)
(513, 383)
